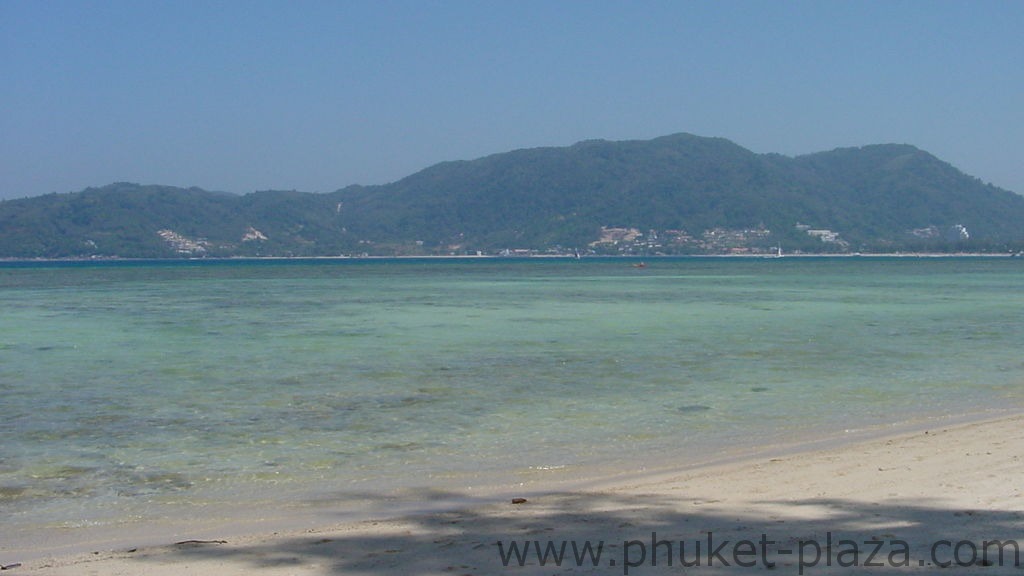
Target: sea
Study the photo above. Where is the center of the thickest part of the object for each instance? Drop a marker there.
(202, 395)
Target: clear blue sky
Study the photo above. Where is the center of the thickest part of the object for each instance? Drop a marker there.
(249, 95)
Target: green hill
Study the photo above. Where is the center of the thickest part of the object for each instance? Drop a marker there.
(133, 221)
(675, 194)
(874, 198)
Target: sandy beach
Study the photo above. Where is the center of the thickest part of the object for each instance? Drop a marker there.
(947, 499)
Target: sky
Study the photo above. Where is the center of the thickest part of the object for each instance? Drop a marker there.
(246, 95)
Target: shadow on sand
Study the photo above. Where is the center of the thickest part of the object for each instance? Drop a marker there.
(639, 534)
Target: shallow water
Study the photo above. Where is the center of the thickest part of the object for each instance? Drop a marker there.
(132, 391)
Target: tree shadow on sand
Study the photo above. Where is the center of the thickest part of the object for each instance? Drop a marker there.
(639, 534)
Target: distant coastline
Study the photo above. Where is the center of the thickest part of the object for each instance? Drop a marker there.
(676, 195)
(467, 257)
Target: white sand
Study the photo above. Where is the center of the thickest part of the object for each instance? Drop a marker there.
(952, 483)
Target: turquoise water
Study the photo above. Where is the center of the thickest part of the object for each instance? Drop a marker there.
(132, 391)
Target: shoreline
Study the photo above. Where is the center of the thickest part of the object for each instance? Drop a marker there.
(764, 256)
(933, 480)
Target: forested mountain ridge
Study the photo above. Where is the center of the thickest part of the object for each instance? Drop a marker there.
(675, 194)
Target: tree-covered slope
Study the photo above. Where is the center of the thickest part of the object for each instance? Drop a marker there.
(565, 195)
(119, 219)
(873, 196)
(134, 221)
(883, 190)
(691, 189)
